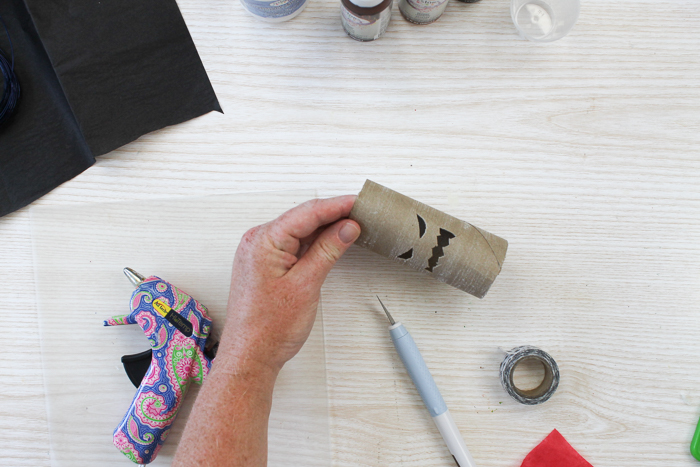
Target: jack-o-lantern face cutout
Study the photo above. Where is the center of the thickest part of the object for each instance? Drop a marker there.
(450, 250)
(438, 251)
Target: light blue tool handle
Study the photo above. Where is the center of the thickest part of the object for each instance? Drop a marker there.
(414, 363)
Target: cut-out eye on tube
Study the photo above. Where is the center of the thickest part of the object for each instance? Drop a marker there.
(421, 226)
(407, 255)
(421, 232)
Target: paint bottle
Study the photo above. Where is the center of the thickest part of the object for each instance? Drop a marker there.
(274, 11)
(365, 20)
(422, 11)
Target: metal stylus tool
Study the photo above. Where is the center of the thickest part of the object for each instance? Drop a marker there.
(428, 390)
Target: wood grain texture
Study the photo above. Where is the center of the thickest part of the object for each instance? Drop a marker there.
(583, 153)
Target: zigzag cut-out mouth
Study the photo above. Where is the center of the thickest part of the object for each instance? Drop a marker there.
(443, 240)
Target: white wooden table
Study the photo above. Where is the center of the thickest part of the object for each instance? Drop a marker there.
(583, 153)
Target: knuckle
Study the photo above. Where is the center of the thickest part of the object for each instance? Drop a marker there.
(251, 236)
(328, 252)
(310, 206)
(312, 203)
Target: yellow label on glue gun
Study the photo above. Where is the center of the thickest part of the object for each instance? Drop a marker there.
(180, 323)
(161, 307)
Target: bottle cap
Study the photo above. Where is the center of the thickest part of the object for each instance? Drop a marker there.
(366, 3)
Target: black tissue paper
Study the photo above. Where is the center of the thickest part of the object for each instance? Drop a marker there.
(95, 75)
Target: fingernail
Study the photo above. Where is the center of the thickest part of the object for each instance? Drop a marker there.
(348, 233)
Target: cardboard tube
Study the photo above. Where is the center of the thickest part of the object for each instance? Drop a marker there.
(428, 240)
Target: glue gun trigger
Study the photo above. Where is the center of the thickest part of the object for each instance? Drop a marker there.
(210, 351)
(137, 365)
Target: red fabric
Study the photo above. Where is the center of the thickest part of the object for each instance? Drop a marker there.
(554, 451)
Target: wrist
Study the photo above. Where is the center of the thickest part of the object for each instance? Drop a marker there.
(239, 362)
(251, 347)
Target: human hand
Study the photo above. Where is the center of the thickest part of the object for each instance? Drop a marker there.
(275, 288)
(278, 271)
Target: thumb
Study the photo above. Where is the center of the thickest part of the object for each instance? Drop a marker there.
(326, 250)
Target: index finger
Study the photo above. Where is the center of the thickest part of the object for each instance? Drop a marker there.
(303, 220)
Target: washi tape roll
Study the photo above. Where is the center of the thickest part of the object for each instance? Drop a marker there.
(548, 385)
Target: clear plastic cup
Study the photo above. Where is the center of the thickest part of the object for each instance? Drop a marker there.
(544, 20)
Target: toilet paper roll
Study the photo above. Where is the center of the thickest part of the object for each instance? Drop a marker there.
(428, 240)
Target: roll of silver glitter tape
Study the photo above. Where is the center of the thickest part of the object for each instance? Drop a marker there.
(531, 396)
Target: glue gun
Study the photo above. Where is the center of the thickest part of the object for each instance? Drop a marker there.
(177, 327)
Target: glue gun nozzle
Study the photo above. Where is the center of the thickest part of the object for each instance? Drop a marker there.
(133, 276)
(391, 320)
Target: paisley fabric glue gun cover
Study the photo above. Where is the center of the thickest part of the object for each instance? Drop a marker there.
(177, 327)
